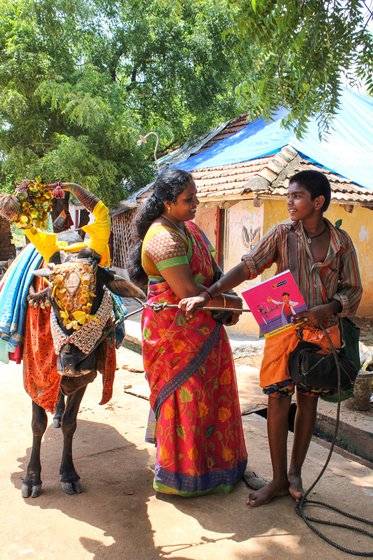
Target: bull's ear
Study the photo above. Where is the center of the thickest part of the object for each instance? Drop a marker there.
(124, 288)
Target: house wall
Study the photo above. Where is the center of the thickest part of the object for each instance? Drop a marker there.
(206, 220)
(244, 228)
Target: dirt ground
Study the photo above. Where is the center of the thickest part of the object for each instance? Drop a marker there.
(119, 517)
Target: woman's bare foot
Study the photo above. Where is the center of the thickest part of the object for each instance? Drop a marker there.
(295, 486)
(264, 495)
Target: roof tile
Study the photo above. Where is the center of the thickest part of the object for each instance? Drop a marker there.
(245, 179)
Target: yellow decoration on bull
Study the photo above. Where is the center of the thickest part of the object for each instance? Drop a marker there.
(34, 204)
(74, 289)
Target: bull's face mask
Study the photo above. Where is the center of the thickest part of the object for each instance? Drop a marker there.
(73, 286)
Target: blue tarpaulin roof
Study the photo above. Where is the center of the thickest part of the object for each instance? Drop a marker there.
(347, 150)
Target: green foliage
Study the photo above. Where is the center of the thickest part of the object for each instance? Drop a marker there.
(79, 81)
(306, 50)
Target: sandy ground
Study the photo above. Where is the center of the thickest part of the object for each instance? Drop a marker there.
(118, 516)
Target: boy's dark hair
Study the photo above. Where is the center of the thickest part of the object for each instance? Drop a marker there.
(285, 294)
(316, 183)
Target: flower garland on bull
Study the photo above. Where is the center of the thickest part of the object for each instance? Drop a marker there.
(30, 204)
(73, 290)
(29, 208)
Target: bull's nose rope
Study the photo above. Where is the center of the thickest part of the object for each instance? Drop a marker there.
(160, 306)
(86, 337)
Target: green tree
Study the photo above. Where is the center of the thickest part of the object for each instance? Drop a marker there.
(306, 50)
(59, 114)
(79, 81)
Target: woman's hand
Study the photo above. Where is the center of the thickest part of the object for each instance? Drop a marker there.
(190, 304)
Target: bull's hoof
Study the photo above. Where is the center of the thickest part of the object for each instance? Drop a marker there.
(72, 487)
(33, 490)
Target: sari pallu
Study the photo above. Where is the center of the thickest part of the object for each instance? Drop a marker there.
(194, 397)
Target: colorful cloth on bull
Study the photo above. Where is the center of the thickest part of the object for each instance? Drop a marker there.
(13, 303)
(190, 370)
(40, 376)
(120, 312)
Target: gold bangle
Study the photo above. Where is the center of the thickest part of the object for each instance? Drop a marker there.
(224, 300)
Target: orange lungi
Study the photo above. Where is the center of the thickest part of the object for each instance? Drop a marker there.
(278, 348)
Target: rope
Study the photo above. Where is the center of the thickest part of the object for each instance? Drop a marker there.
(305, 501)
(160, 306)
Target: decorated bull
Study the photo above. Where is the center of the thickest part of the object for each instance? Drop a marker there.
(72, 321)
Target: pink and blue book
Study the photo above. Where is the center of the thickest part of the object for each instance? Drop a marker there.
(274, 302)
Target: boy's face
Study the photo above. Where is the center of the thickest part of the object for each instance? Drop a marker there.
(299, 203)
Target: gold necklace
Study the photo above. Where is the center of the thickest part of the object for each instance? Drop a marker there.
(182, 230)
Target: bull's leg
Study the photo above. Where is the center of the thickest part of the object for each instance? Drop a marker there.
(32, 483)
(70, 480)
(60, 409)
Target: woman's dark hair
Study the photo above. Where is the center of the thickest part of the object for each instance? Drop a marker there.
(316, 183)
(167, 187)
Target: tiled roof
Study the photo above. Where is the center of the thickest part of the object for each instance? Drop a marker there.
(268, 178)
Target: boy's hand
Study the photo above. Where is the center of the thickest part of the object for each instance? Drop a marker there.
(317, 315)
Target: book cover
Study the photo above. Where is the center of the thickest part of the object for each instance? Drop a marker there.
(273, 302)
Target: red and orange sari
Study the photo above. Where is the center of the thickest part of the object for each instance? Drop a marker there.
(190, 370)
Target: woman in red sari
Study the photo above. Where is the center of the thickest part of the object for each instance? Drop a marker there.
(197, 424)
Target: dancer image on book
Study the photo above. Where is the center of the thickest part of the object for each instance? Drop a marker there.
(287, 306)
(195, 417)
(329, 281)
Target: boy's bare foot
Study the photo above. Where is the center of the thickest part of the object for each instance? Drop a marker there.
(264, 495)
(295, 487)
